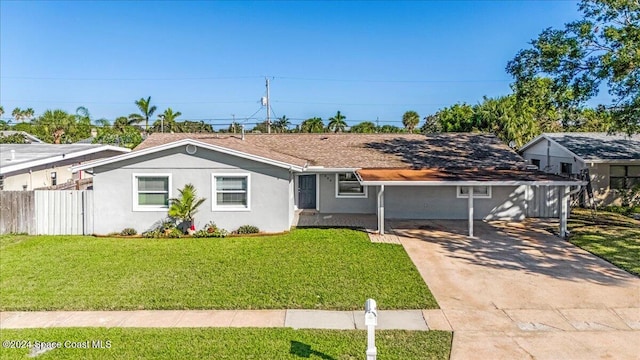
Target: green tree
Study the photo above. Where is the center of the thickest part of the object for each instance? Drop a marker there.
(186, 206)
(1, 111)
(128, 136)
(194, 127)
(601, 49)
(28, 114)
(56, 126)
(167, 121)
(17, 114)
(431, 125)
(234, 127)
(146, 111)
(457, 118)
(410, 120)
(282, 124)
(365, 127)
(390, 129)
(337, 123)
(312, 125)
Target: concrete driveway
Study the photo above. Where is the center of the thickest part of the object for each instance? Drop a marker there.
(517, 292)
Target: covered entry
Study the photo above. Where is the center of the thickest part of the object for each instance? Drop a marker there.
(460, 193)
(307, 191)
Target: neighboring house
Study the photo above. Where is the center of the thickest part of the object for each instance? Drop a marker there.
(30, 139)
(613, 161)
(31, 166)
(266, 180)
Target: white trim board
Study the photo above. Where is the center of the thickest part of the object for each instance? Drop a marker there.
(71, 155)
(186, 142)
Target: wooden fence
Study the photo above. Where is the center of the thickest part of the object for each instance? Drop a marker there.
(17, 212)
(47, 212)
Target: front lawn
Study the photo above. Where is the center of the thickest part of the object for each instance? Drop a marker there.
(611, 236)
(305, 269)
(231, 343)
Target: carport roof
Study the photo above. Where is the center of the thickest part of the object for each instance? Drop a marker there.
(460, 176)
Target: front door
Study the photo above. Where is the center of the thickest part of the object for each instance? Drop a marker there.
(307, 191)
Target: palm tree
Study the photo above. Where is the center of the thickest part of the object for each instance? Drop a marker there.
(146, 111)
(120, 124)
(186, 206)
(17, 114)
(410, 120)
(1, 111)
(57, 123)
(337, 123)
(104, 123)
(282, 124)
(312, 125)
(168, 121)
(28, 114)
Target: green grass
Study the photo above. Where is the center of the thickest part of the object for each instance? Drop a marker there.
(611, 236)
(305, 269)
(232, 343)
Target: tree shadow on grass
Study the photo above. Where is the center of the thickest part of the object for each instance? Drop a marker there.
(305, 351)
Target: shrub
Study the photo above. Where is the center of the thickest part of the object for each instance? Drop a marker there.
(128, 232)
(205, 233)
(163, 229)
(248, 229)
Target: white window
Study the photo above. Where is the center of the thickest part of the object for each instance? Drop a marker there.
(478, 192)
(151, 192)
(231, 192)
(347, 185)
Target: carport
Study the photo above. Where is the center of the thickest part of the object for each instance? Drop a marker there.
(466, 178)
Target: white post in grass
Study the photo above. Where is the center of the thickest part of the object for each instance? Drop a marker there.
(371, 320)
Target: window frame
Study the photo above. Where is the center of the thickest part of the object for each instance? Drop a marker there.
(136, 204)
(363, 194)
(461, 195)
(625, 178)
(214, 193)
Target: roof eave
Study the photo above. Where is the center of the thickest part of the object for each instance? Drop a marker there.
(56, 158)
(611, 161)
(182, 142)
(474, 183)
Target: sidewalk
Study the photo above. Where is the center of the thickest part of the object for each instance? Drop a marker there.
(297, 319)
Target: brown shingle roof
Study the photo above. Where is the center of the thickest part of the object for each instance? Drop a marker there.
(451, 150)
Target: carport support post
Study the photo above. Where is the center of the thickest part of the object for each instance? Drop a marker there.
(381, 210)
(563, 194)
(470, 211)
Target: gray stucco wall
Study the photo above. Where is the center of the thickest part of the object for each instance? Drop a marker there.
(440, 202)
(550, 162)
(270, 191)
(329, 203)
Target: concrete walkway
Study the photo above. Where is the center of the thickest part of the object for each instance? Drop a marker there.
(297, 319)
(516, 292)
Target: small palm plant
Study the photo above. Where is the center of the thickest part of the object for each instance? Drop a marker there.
(186, 206)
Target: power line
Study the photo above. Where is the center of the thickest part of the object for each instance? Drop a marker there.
(203, 78)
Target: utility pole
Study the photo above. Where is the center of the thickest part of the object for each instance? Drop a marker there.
(233, 124)
(268, 109)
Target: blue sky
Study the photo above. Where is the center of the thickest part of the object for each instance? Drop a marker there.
(209, 60)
